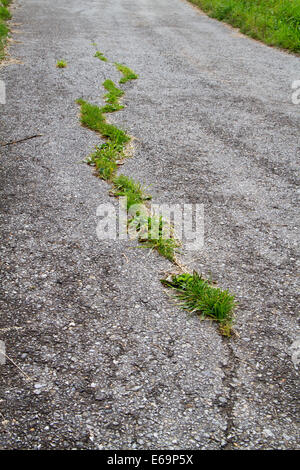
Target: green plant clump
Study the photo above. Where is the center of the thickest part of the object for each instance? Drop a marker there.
(61, 64)
(112, 97)
(93, 117)
(105, 159)
(198, 295)
(5, 15)
(100, 56)
(166, 245)
(128, 74)
(127, 187)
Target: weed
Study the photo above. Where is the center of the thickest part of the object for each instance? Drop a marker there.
(128, 74)
(112, 97)
(155, 239)
(4, 13)
(93, 118)
(61, 64)
(197, 295)
(100, 56)
(124, 186)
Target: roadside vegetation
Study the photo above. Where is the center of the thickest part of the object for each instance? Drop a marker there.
(112, 98)
(133, 191)
(5, 15)
(275, 22)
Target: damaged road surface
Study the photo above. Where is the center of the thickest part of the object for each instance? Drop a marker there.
(97, 356)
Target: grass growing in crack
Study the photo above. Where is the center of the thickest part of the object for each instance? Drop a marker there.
(155, 238)
(112, 97)
(100, 56)
(127, 187)
(93, 117)
(4, 30)
(149, 229)
(61, 64)
(128, 74)
(197, 295)
(105, 159)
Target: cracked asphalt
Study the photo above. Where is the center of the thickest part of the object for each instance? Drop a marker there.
(113, 363)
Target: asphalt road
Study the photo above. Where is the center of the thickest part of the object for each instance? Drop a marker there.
(114, 364)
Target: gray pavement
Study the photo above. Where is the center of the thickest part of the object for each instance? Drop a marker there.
(114, 364)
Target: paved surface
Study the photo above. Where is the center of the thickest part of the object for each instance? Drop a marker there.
(114, 364)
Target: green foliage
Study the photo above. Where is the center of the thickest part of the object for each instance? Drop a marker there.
(127, 187)
(6, 3)
(197, 295)
(155, 238)
(61, 64)
(275, 22)
(128, 74)
(100, 56)
(4, 30)
(105, 159)
(4, 13)
(93, 118)
(112, 97)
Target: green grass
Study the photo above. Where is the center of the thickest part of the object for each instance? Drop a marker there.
(4, 13)
(4, 30)
(105, 159)
(5, 3)
(112, 97)
(128, 74)
(100, 56)
(93, 117)
(127, 187)
(275, 22)
(197, 295)
(155, 239)
(61, 64)
(149, 230)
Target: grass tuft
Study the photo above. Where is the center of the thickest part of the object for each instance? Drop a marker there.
(4, 13)
(100, 56)
(128, 74)
(166, 246)
(6, 3)
(127, 187)
(61, 64)
(149, 230)
(93, 117)
(197, 295)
